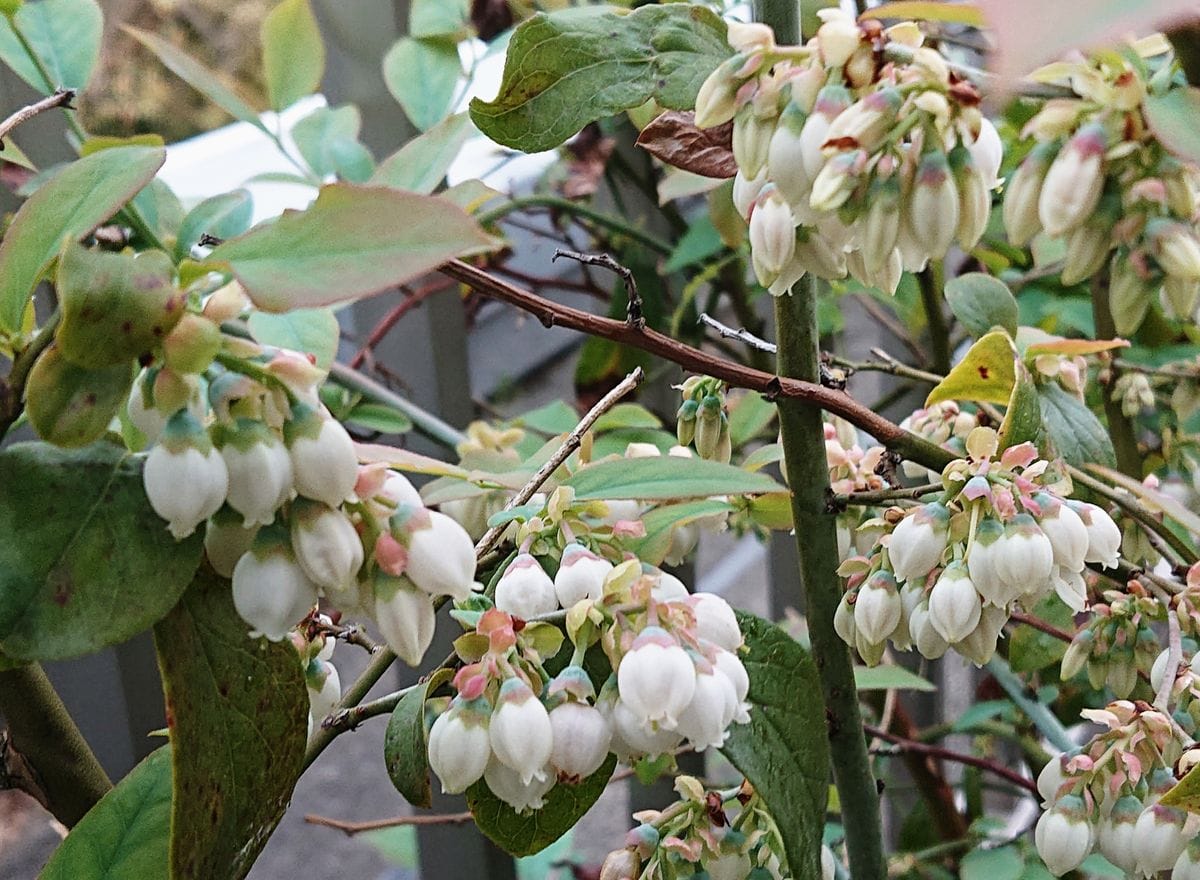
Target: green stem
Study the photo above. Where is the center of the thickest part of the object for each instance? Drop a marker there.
(816, 541)
(614, 224)
(354, 695)
(939, 330)
(1120, 428)
(424, 421)
(42, 731)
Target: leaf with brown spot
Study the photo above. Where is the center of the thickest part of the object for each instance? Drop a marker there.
(673, 138)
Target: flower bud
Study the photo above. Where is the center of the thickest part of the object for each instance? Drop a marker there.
(324, 463)
(581, 736)
(656, 679)
(184, 477)
(324, 697)
(521, 735)
(772, 236)
(843, 619)
(151, 419)
(1051, 779)
(785, 159)
(954, 604)
(831, 101)
(397, 489)
(580, 575)
(706, 718)
(405, 617)
(1020, 211)
(1159, 838)
(983, 563)
(1064, 835)
(685, 422)
(1175, 248)
(1073, 184)
(709, 419)
(1104, 538)
(226, 539)
(716, 101)
(837, 37)
(746, 192)
(932, 214)
(980, 644)
(752, 139)
(865, 123)
(988, 152)
(327, 545)
(621, 864)
(925, 636)
(1179, 297)
(837, 180)
(525, 590)
(506, 784)
(459, 745)
(880, 227)
(716, 621)
(270, 590)
(441, 558)
(974, 198)
(191, 346)
(918, 541)
(728, 664)
(259, 468)
(730, 866)
(878, 608)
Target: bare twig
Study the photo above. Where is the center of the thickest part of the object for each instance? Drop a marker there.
(352, 828)
(958, 757)
(1162, 699)
(741, 334)
(61, 98)
(633, 311)
(840, 501)
(1041, 625)
(351, 635)
(411, 300)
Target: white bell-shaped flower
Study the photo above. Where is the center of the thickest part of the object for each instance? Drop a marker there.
(954, 604)
(705, 720)
(728, 664)
(656, 678)
(405, 617)
(1187, 866)
(327, 545)
(520, 731)
(580, 575)
(1064, 835)
(1159, 838)
(398, 490)
(918, 541)
(324, 463)
(581, 738)
(271, 592)
(226, 539)
(1116, 833)
(828, 863)
(260, 470)
(1071, 588)
(926, 638)
(729, 866)
(522, 796)
(878, 608)
(441, 558)
(1104, 538)
(980, 644)
(843, 618)
(459, 745)
(525, 590)
(716, 621)
(983, 563)
(1026, 563)
(184, 477)
(667, 588)
(635, 738)
(328, 690)
(1051, 779)
(1067, 534)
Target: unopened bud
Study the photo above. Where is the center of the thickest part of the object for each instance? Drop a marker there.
(1074, 182)
(1021, 219)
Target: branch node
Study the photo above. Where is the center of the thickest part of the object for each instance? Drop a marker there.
(633, 312)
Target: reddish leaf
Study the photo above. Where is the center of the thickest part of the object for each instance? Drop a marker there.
(674, 138)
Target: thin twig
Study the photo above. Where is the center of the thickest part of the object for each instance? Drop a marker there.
(633, 309)
(61, 98)
(352, 828)
(412, 299)
(1041, 625)
(1162, 700)
(958, 757)
(840, 501)
(741, 334)
(1178, 553)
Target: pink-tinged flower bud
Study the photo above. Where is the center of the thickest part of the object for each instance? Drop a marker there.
(932, 215)
(1072, 187)
(259, 468)
(459, 745)
(1159, 838)
(752, 135)
(980, 645)
(324, 463)
(843, 619)
(327, 545)
(866, 122)
(656, 679)
(621, 864)
(1051, 779)
(1066, 532)
(772, 234)
(745, 37)
(506, 784)
(716, 621)
(184, 477)
(398, 490)
(928, 640)
(1175, 248)
(746, 192)
(1104, 538)
(785, 159)
(836, 181)
(667, 588)
(520, 731)
(918, 541)
(1087, 251)
(878, 608)
(728, 664)
(1026, 561)
(525, 590)
(1021, 219)
(405, 617)
(828, 863)
(1071, 588)
(716, 101)
(149, 409)
(271, 592)
(1064, 835)
(581, 737)
(226, 540)
(837, 37)
(1187, 866)
(983, 563)
(974, 198)
(580, 575)
(988, 152)
(1179, 297)
(730, 866)
(831, 101)
(441, 558)
(706, 719)
(954, 604)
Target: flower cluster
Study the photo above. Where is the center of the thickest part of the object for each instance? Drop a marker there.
(676, 677)
(1099, 178)
(702, 420)
(1117, 644)
(948, 573)
(723, 835)
(1106, 797)
(945, 424)
(860, 152)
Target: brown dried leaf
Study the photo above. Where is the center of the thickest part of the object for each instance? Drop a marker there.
(674, 138)
(589, 156)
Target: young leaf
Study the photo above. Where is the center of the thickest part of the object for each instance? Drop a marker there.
(1074, 430)
(1186, 792)
(665, 478)
(420, 165)
(981, 303)
(524, 835)
(568, 68)
(783, 751)
(71, 406)
(222, 216)
(886, 678)
(422, 75)
(293, 53)
(440, 18)
(312, 331)
(406, 743)
(1031, 649)
(986, 374)
(65, 36)
(237, 709)
(661, 523)
(69, 206)
(924, 10)
(352, 242)
(94, 565)
(327, 138)
(1023, 416)
(378, 417)
(126, 834)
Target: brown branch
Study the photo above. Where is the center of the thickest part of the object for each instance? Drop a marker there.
(958, 757)
(927, 773)
(388, 321)
(633, 308)
(1039, 624)
(553, 314)
(61, 98)
(352, 828)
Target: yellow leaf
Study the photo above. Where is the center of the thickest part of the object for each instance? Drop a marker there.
(987, 373)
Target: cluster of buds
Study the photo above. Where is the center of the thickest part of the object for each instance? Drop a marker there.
(944, 424)
(722, 835)
(489, 449)
(1134, 393)
(947, 573)
(852, 469)
(1099, 178)
(702, 420)
(1053, 359)
(860, 151)
(1105, 798)
(1117, 643)
(676, 677)
(320, 675)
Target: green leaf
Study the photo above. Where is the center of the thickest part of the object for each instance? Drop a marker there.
(440, 18)
(1076, 433)
(986, 374)
(421, 164)
(353, 241)
(293, 53)
(196, 75)
(71, 406)
(312, 331)
(750, 415)
(568, 68)
(664, 479)
(783, 751)
(1172, 117)
(1002, 863)
(924, 10)
(700, 242)
(627, 415)
(405, 745)
(529, 833)
(886, 678)
(94, 565)
(422, 75)
(556, 417)
(115, 306)
(377, 417)
(1186, 792)
(328, 137)
(773, 510)
(1023, 416)
(126, 834)
(661, 522)
(1030, 649)
(982, 303)
(65, 36)
(237, 710)
(222, 216)
(160, 208)
(69, 206)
